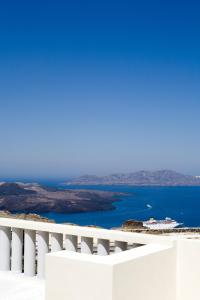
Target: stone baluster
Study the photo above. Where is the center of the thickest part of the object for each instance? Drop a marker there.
(86, 245)
(43, 248)
(71, 243)
(56, 242)
(103, 247)
(5, 237)
(17, 248)
(120, 246)
(29, 252)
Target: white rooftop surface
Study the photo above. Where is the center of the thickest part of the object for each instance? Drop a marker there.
(19, 287)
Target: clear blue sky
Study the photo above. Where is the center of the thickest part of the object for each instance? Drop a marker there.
(99, 87)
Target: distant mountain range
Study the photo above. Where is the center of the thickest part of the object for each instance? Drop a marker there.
(140, 178)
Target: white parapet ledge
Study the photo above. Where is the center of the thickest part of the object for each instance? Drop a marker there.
(113, 235)
(116, 258)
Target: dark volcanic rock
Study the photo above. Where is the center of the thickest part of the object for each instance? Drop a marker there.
(14, 189)
(20, 197)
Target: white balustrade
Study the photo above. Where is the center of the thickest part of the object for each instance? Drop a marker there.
(16, 249)
(86, 245)
(120, 246)
(103, 247)
(71, 243)
(24, 244)
(29, 252)
(5, 236)
(56, 242)
(43, 248)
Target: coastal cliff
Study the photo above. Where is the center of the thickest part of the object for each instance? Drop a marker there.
(34, 198)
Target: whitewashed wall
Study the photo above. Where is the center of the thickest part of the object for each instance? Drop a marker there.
(150, 275)
(148, 272)
(188, 269)
(164, 268)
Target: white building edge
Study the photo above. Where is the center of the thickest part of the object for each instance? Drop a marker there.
(44, 261)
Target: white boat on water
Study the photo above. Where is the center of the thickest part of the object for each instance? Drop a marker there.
(167, 223)
(149, 205)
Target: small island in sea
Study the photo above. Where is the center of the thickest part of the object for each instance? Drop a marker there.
(34, 198)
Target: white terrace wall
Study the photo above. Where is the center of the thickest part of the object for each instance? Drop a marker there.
(148, 272)
(24, 244)
(165, 268)
(149, 276)
(153, 272)
(188, 269)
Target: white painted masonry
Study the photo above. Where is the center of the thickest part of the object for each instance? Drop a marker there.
(83, 263)
(143, 273)
(188, 269)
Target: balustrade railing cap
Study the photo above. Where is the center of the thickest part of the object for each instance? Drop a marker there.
(113, 235)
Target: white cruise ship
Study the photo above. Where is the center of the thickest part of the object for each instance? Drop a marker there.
(167, 223)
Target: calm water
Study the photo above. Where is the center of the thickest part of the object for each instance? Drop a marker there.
(179, 203)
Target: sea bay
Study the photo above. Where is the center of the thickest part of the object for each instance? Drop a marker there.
(181, 203)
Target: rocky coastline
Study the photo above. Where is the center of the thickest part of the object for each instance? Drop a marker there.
(136, 226)
(28, 217)
(34, 198)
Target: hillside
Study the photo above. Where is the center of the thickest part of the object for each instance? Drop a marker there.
(20, 197)
(140, 178)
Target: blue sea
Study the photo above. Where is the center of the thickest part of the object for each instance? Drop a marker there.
(179, 203)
